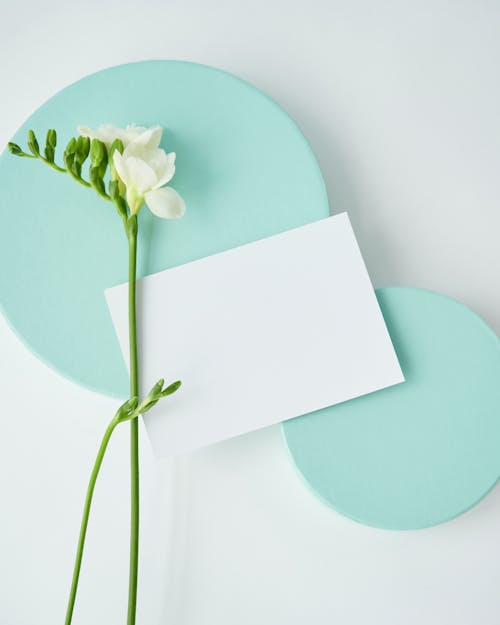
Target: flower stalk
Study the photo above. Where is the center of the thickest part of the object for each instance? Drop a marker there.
(132, 229)
(138, 172)
(121, 415)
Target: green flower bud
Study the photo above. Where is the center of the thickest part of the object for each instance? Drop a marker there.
(82, 149)
(147, 406)
(69, 154)
(33, 143)
(69, 160)
(50, 145)
(156, 388)
(15, 149)
(97, 151)
(51, 137)
(104, 164)
(171, 389)
(96, 180)
(99, 156)
(71, 147)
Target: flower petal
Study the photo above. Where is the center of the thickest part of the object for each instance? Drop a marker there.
(139, 150)
(165, 203)
(164, 167)
(121, 167)
(145, 144)
(106, 133)
(150, 138)
(142, 144)
(141, 176)
(133, 131)
(86, 131)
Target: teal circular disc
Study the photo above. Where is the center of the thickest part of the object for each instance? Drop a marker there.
(243, 167)
(421, 452)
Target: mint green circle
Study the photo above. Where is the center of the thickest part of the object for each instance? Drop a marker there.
(421, 452)
(243, 167)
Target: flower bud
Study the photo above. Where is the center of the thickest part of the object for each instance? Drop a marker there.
(50, 145)
(33, 143)
(51, 137)
(147, 406)
(154, 393)
(69, 154)
(82, 149)
(171, 389)
(157, 387)
(97, 150)
(15, 149)
(104, 164)
(71, 147)
(96, 180)
(99, 156)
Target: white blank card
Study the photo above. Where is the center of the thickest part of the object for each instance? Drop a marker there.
(259, 334)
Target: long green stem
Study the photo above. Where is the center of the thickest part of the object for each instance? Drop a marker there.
(85, 517)
(134, 425)
(131, 229)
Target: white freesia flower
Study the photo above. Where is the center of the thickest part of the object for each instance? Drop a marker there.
(144, 168)
(144, 171)
(107, 133)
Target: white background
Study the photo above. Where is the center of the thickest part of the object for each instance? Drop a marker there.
(401, 103)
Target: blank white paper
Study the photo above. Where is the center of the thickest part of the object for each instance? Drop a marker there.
(258, 334)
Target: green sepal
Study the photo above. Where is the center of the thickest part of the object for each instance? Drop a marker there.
(127, 410)
(116, 145)
(119, 202)
(130, 404)
(131, 226)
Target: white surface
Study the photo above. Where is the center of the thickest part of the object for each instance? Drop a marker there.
(263, 333)
(400, 102)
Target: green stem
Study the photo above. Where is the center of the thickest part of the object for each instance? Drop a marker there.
(131, 229)
(134, 423)
(85, 517)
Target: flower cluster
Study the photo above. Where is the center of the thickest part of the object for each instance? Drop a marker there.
(138, 168)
